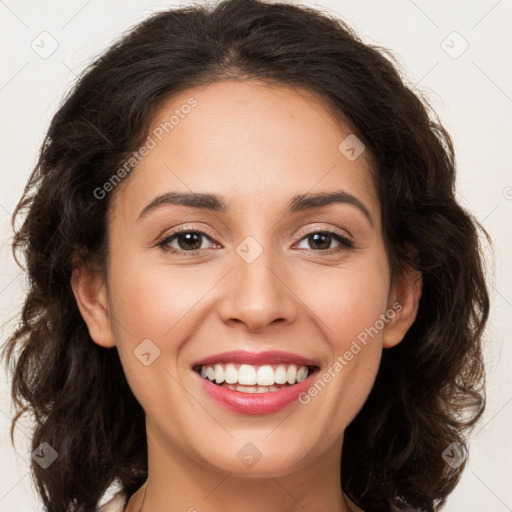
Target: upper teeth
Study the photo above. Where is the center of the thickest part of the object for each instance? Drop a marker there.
(247, 374)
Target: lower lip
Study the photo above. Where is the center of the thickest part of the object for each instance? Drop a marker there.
(256, 403)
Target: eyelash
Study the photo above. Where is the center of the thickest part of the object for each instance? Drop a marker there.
(345, 242)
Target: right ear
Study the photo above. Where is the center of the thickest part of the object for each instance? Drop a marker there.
(90, 292)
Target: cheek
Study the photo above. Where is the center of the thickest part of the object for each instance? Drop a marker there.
(152, 302)
(343, 386)
(155, 305)
(346, 300)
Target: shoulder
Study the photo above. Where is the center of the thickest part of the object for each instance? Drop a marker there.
(116, 504)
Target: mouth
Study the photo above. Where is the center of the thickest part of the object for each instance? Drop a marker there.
(255, 383)
(248, 378)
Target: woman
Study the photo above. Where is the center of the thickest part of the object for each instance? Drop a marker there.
(185, 334)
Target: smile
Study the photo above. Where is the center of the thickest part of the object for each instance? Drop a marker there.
(255, 383)
(248, 378)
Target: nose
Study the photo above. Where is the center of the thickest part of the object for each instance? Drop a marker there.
(258, 294)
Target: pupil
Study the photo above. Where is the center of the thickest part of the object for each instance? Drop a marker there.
(189, 237)
(314, 238)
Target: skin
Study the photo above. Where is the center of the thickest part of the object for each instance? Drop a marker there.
(257, 146)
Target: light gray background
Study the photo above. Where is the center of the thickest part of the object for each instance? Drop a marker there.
(471, 91)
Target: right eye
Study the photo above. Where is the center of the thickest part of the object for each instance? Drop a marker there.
(189, 241)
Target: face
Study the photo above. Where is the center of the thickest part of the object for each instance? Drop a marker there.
(271, 270)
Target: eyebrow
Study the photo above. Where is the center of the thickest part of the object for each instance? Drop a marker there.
(213, 202)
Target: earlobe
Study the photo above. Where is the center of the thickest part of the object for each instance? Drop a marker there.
(90, 293)
(403, 300)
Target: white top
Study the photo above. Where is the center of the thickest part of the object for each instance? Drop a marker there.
(116, 504)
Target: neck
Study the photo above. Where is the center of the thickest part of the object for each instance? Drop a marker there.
(177, 480)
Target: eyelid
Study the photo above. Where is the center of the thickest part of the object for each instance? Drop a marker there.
(185, 229)
(331, 229)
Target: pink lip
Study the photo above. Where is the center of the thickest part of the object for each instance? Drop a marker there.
(256, 358)
(256, 403)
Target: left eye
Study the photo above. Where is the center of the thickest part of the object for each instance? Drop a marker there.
(326, 237)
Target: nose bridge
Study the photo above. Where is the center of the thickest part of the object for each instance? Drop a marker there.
(258, 293)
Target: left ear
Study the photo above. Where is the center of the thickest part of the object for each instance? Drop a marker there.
(403, 300)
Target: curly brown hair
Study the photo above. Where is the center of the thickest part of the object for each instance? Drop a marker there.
(430, 387)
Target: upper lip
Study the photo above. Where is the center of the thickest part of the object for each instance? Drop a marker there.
(255, 358)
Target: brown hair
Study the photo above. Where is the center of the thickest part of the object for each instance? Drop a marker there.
(430, 388)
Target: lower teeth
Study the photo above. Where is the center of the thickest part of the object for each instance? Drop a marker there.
(254, 389)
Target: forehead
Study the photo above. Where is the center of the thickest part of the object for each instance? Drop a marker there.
(249, 142)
